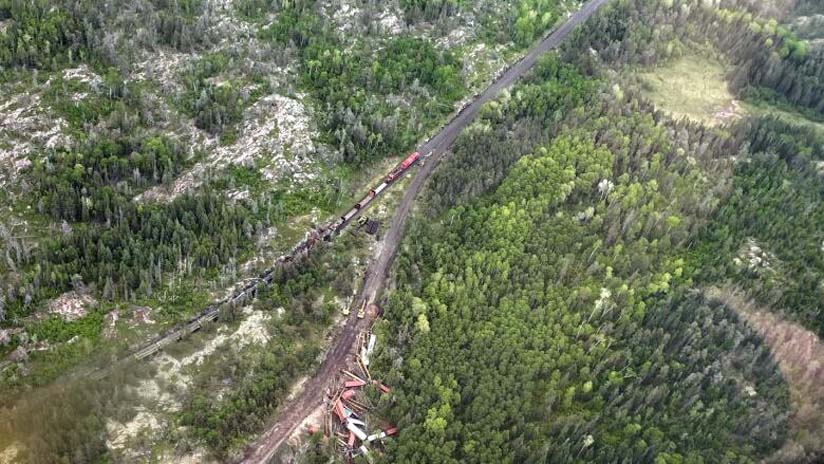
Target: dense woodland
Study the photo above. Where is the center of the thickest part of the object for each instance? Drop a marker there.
(551, 306)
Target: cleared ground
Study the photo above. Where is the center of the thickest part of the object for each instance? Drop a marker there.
(693, 86)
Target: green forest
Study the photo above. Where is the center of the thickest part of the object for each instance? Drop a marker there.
(552, 301)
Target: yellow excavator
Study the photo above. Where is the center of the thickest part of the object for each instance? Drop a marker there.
(346, 311)
(362, 310)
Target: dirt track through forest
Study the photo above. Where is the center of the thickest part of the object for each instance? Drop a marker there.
(312, 392)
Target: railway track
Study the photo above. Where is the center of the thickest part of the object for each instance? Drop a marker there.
(311, 395)
(249, 287)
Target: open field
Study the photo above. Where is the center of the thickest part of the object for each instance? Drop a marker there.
(693, 87)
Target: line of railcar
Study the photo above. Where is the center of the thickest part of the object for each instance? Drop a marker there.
(210, 313)
(393, 175)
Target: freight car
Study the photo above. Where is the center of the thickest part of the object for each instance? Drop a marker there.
(393, 175)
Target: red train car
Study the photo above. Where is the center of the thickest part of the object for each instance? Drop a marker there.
(393, 175)
(405, 164)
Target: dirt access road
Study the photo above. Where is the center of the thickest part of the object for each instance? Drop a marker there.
(311, 395)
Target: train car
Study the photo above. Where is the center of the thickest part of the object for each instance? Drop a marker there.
(349, 215)
(341, 222)
(380, 188)
(401, 168)
(366, 200)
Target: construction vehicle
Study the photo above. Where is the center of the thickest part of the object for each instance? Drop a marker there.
(346, 311)
(362, 310)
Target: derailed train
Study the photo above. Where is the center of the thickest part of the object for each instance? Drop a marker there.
(327, 233)
(249, 288)
(393, 175)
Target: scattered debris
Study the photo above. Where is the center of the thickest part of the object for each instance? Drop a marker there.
(141, 316)
(120, 435)
(731, 112)
(347, 412)
(71, 306)
(111, 321)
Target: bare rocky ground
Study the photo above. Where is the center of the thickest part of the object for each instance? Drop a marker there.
(28, 125)
(25, 125)
(161, 396)
(277, 133)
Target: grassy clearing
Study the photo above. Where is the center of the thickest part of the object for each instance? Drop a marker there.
(693, 87)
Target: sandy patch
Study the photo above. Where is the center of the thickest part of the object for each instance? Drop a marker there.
(162, 395)
(154, 394)
(121, 435)
(314, 421)
(198, 457)
(296, 388)
(800, 356)
(9, 455)
(70, 306)
(24, 126)
(253, 330)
